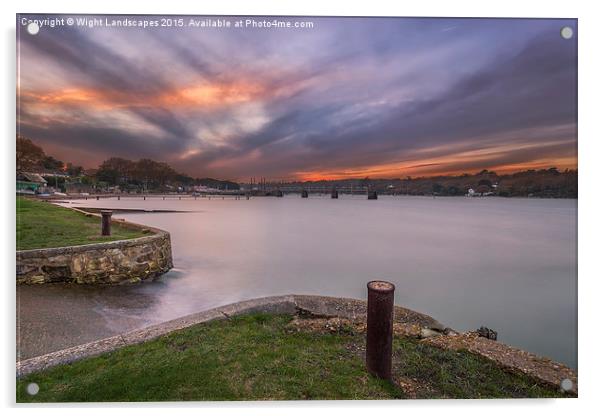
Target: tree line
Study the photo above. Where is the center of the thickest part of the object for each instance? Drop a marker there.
(129, 175)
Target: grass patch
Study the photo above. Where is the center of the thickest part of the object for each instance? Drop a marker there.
(256, 357)
(460, 374)
(44, 225)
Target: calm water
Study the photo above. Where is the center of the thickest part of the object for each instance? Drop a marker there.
(509, 264)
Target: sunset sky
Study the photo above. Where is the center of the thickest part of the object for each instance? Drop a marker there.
(350, 97)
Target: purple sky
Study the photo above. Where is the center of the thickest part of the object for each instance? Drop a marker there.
(350, 97)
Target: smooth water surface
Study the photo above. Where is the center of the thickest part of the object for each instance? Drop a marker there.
(509, 264)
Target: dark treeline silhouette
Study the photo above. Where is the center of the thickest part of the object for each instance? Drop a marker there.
(150, 175)
(144, 175)
(31, 157)
(543, 183)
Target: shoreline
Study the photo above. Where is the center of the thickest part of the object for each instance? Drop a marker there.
(322, 307)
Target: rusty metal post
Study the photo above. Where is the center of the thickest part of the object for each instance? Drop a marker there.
(379, 337)
(106, 222)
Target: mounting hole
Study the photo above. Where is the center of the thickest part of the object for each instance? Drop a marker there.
(566, 32)
(33, 389)
(33, 28)
(566, 384)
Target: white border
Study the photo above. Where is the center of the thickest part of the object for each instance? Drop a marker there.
(590, 186)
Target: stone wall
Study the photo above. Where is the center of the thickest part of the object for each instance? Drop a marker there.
(124, 261)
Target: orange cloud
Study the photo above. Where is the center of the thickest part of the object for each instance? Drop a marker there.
(444, 165)
(202, 95)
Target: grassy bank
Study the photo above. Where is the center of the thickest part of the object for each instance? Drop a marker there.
(44, 225)
(260, 357)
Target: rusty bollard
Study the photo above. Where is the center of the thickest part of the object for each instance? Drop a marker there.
(379, 337)
(106, 222)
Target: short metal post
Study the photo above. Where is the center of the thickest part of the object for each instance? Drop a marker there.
(106, 222)
(379, 337)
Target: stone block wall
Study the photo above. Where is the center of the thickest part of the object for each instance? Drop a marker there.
(125, 261)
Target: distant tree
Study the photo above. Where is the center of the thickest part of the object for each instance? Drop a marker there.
(438, 188)
(116, 171)
(485, 182)
(73, 170)
(29, 155)
(151, 172)
(108, 175)
(217, 184)
(52, 164)
(453, 190)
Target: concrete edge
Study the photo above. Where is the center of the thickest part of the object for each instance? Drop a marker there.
(274, 304)
(309, 305)
(285, 304)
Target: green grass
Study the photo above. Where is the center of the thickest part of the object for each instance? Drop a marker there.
(44, 225)
(460, 374)
(255, 357)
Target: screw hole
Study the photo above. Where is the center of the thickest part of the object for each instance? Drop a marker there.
(33, 389)
(566, 32)
(33, 28)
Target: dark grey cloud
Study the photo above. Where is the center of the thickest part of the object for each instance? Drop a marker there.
(356, 92)
(535, 87)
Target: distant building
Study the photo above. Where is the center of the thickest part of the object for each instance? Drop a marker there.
(203, 188)
(482, 190)
(29, 183)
